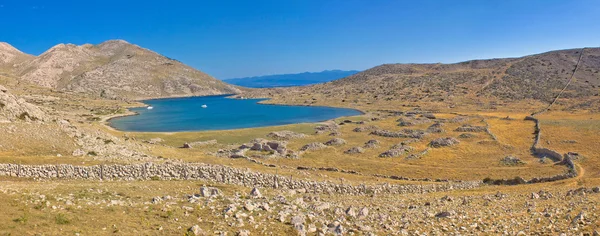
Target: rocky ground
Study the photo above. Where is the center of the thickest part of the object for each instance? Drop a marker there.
(221, 210)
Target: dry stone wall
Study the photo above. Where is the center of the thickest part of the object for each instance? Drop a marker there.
(215, 173)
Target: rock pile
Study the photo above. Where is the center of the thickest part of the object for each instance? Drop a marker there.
(417, 155)
(443, 142)
(373, 143)
(459, 119)
(470, 128)
(466, 135)
(396, 151)
(285, 135)
(313, 147)
(355, 150)
(405, 121)
(335, 142)
(428, 116)
(365, 128)
(405, 133)
(436, 128)
(329, 127)
(259, 144)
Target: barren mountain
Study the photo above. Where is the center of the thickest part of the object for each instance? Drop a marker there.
(539, 77)
(117, 69)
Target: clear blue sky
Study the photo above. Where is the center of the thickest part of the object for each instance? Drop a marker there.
(245, 38)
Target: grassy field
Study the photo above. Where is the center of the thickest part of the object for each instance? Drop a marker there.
(473, 159)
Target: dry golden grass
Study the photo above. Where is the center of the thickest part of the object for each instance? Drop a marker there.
(472, 159)
(558, 128)
(101, 218)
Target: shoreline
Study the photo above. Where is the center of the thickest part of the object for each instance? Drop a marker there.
(105, 120)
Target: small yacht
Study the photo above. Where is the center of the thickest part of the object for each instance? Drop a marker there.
(204, 106)
(150, 108)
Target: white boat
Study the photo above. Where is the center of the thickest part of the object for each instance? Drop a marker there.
(150, 108)
(204, 106)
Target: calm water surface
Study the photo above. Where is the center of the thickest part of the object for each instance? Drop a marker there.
(187, 114)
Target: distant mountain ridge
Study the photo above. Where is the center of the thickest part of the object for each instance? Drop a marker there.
(288, 80)
(112, 69)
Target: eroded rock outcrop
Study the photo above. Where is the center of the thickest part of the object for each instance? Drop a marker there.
(13, 108)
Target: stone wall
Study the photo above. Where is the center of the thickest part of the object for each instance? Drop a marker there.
(540, 151)
(215, 173)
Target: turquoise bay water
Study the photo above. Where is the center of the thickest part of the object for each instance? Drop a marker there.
(187, 114)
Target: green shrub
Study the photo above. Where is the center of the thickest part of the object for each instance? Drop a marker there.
(62, 219)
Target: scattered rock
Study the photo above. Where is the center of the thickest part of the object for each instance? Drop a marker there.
(351, 211)
(155, 141)
(534, 196)
(511, 161)
(156, 200)
(298, 220)
(363, 213)
(78, 153)
(569, 141)
(209, 192)
(196, 230)
(255, 193)
(443, 214)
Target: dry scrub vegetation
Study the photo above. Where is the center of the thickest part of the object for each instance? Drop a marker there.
(475, 111)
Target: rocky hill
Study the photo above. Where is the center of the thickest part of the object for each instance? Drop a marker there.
(539, 77)
(113, 69)
(10, 57)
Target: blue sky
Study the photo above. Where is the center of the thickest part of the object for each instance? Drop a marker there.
(247, 38)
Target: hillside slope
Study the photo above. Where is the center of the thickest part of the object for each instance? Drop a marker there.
(537, 77)
(117, 69)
